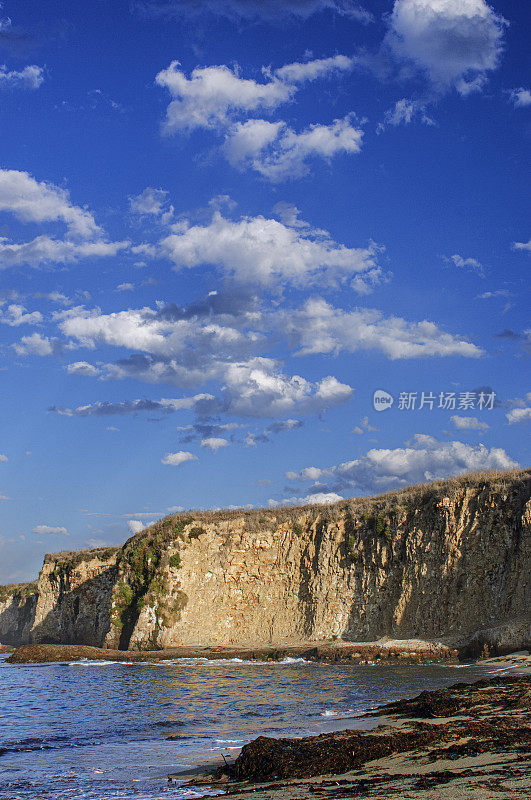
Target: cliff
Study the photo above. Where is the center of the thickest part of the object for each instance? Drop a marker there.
(449, 561)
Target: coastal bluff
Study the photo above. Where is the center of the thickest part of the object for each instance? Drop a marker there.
(448, 562)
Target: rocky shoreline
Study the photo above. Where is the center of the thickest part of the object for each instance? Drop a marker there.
(467, 741)
(403, 651)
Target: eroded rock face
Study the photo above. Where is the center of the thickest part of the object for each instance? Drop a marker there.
(17, 612)
(451, 560)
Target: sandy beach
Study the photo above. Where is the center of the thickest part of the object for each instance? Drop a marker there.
(468, 741)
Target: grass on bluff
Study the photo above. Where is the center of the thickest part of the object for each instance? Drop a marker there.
(378, 511)
(21, 590)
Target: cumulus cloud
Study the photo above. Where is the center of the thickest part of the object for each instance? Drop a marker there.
(182, 351)
(218, 98)
(16, 315)
(36, 345)
(265, 252)
(45, 250)
(213, 95)
(468, 423)
(175, 459)
(520, 98)
(50, 529)
(38, 201)
(519, 415)
(318, 327)
(277, 152)
(455, 43)
(30, 77)
(269, 10)
(82, 368)
(32, 201)
(258, 389)
(318, 498)
(150, 202)
(3, 458)
(522, 412)
(424, 459)
(214, 443)
(135, 525)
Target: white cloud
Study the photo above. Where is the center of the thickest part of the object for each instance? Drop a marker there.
(83, 368)
(212, 95)
(522, 412)
(45, 529)
(16, 315)
(289, 215)
(265, 252)
(107, 409)
(35, 345)
(33, 201)
(271, 10)
(318, 498)
(495, 293)
(517, 415)
(185, 351)
(135, 525)
(44, 249)
(258, 389)
(302, 71)
(468, 423)
(215, 96)
(30, 77)
(150, 202)
(318, 327)
(125, 287)
(364, 427)
(425, 459)
(175, 459)
(521, 98)
(218, 98)
(214, 443)
(456, 43)
(277, 152)
(404, 112)
(3, 458)
(526, 246)
(467, 263)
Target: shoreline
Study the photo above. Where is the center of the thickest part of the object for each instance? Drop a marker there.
(409, 651)
(392, 651)
(466, 741)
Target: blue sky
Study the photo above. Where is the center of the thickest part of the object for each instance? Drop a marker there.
(225, 225)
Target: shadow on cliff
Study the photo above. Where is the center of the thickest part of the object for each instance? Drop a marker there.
(16, 621)
(433, 584)
(79, 616)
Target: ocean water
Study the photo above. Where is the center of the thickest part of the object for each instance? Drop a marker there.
(99, 730)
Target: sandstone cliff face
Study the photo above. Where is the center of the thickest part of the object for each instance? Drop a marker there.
(17, 612)
(450, 561)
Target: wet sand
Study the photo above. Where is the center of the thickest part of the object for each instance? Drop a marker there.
(467, 741)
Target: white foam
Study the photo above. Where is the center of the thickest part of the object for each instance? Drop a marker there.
(229, 741)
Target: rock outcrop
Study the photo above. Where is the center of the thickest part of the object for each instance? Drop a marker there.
(448, 561)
